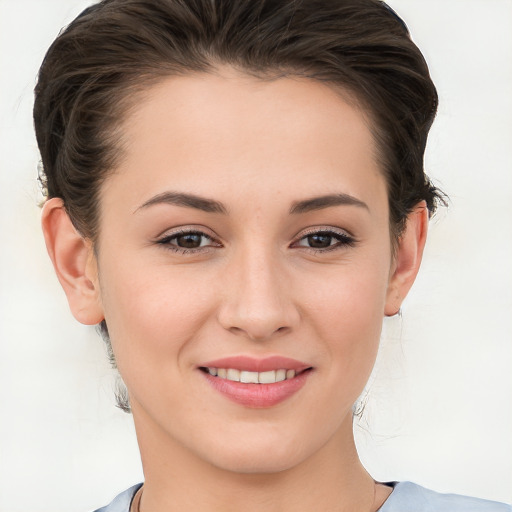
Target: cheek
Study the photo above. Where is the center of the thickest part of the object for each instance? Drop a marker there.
(351, 297)
(152, 313)
(347, 311)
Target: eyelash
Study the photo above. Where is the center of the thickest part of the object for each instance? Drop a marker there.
(166, 241)
(343, 240)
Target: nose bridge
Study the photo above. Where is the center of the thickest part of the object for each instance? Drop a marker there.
(257, 302)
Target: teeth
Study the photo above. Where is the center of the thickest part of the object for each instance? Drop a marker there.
(249, 377)
(290, 374)
(233, 374)
(269, 377)
(280, 375)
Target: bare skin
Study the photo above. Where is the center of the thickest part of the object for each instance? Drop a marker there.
(270, 275)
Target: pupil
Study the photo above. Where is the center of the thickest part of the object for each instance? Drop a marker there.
(189, 241)
(319, 241)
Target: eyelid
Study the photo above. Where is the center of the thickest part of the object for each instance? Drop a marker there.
(188, 228)
(164, 239)
(324, 229)
(345, 238)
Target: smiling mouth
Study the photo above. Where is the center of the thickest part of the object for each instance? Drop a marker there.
(247, 377)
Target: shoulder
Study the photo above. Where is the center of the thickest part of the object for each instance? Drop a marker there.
(121, 502)
(408, 496)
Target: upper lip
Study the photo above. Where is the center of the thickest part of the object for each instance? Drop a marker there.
(252, 364)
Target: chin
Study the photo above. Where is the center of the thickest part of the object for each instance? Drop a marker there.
(250, 463)
(259, 456)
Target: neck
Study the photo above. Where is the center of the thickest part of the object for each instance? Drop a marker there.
(331, 479)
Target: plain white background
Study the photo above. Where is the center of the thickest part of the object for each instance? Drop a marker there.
(440, 407)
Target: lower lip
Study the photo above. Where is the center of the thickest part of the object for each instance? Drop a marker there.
(258, 396)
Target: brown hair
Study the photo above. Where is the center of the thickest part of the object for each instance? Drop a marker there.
(118, 46)
(93, 72)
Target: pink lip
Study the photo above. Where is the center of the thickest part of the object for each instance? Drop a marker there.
(251, 364)
(257, 395)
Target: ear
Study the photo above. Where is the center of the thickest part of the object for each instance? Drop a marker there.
(407, 258)
(74, 262)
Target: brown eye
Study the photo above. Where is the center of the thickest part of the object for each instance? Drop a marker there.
(319, 240)
(323, 241)
(189, 240)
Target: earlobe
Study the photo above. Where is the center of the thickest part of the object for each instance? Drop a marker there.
(74, 262)
(407, 259)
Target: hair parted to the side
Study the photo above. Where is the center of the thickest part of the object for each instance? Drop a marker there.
(96, 69)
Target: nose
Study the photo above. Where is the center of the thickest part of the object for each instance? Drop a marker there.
(257, 302)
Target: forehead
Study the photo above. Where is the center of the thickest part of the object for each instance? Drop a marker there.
(224, 132)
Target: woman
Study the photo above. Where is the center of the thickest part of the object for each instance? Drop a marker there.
(236, 195)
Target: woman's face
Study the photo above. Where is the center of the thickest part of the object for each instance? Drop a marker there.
(246, 222)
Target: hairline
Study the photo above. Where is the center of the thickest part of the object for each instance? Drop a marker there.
(139, 85)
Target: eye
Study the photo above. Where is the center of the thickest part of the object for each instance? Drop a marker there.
(188, 241)
(325, 240)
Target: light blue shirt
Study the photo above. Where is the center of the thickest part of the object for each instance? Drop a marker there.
(406, 497)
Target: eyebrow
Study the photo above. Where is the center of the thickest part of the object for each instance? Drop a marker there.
(213, 206)
(187, 200)
(321, 202)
